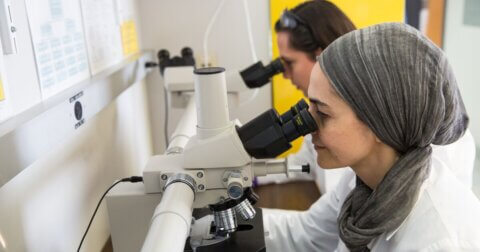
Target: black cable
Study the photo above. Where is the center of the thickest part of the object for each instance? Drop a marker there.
(165, 94)
(133, 179)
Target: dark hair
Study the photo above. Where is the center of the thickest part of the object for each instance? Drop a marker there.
(325, 20)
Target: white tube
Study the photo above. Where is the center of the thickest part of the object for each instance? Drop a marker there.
(185, 128)
(211, 98)
(207, 32)
(171, 221)
(273, 166)
(249, 31)
(252, 48)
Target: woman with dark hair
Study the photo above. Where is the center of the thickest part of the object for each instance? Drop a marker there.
(302, 34)
(382, 96)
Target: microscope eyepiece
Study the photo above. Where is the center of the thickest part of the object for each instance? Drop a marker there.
(301, 124)
(186, 52)
(163, 55)
(258, 75)
(267, 136)
(287, 116)
(164, 59)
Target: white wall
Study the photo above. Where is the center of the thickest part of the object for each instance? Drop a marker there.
(173, 25)
(461, 43)
(48, 205)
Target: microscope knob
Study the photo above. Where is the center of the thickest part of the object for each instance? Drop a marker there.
(306, 168)
(235, 190)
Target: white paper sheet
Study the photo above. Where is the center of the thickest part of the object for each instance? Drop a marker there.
(125, 11)
(102, 31)
(59, 44)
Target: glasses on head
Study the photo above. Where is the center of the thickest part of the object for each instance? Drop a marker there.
(291, 21)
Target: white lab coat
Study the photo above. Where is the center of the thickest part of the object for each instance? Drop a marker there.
(460, 152)
(446, 217)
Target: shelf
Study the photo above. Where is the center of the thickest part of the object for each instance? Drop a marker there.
(32, 129)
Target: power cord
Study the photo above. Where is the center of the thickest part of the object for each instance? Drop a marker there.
(133, 179)
(165, 127)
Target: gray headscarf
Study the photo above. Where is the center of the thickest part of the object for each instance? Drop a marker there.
(402, 87)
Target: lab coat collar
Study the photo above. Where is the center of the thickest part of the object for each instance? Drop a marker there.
(390, 234)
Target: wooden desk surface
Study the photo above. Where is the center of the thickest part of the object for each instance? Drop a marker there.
(299, 195)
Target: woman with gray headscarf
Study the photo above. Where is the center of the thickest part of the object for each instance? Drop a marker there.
(381, 97)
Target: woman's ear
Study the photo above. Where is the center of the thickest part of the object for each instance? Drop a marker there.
(318, 51)
(378, 140)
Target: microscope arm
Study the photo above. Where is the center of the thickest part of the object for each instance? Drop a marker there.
(184, 130)
(171, 220)
(175, 209)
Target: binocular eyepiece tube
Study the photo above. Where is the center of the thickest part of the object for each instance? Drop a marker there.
(294, 110)
(269, 134)
(258, 75)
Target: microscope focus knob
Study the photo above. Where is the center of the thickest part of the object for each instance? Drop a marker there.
(235, 190)
(235, 185)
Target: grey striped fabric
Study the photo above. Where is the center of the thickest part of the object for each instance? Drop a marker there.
(403, 88)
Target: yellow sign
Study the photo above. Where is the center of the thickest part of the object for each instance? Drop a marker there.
(369, 12)
(129, 37)
(2, 94)
(362, 13)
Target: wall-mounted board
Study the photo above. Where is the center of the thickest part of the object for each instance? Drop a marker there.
(59, 44)
(102, 33)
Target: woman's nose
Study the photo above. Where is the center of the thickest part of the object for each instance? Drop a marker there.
(286, 73)
(311, 110)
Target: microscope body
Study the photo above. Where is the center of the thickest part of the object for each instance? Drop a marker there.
(212, 171)
(215, 164)
(219, 170)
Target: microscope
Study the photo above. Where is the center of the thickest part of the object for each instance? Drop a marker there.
(209, 173)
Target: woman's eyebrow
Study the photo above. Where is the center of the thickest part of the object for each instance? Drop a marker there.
(317, 102)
